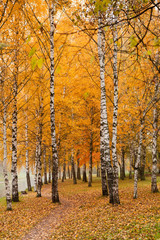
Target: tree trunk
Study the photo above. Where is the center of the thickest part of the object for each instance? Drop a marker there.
(69, 173)
(137, 163)
(154, 187)
(55, 195)
(49, 168)
(59, 170)
(115, 112)
(6, 181)
(39, 163)
(35, 170)
(73, 169)
(130, 162)
(27, 159)
(45, 165)
(122, 166)
(143, 163)
(104, 130)
(84, 173)
(78, 168)
(15, 196)
(64, 171)
(90, 161)
(98, 170)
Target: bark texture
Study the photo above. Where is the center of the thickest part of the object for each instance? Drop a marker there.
(5, 173)
(15, 196)
(104, 130)
(55, 195)
(154, 187)
(115, 113)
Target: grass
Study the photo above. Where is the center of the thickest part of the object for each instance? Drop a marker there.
(90, 216)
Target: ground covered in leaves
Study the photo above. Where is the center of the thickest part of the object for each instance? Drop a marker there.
(84, 214)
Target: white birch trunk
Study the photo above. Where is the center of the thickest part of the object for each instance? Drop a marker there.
(6, 180)
(115, 112)
(104, 130)
(5, 172)
(55, 195)
(15, 196)
(154, 187)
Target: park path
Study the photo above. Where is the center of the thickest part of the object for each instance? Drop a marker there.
(45, 228)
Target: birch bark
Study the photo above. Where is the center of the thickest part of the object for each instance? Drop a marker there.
(45, 165)
(115, 112)
(154, 187)
(5, 172)
(104, 130)
(55, 195)
(15, 196)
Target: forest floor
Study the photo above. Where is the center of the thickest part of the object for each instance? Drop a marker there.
(84, 214)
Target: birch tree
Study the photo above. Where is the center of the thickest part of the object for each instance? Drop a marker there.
(55, 195)
(5, 172)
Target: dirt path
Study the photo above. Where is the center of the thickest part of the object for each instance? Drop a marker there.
(44, 229)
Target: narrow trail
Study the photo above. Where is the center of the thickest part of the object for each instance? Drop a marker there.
(45, 228)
